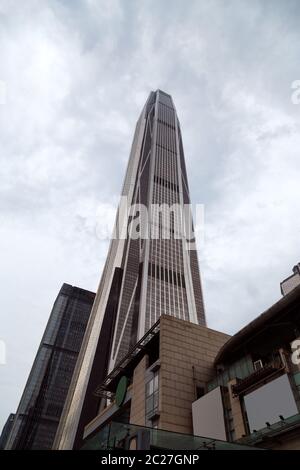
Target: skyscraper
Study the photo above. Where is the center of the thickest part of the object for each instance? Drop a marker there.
(151, 267)
(42, 402)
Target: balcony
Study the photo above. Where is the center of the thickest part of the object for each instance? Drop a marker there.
(261, 375)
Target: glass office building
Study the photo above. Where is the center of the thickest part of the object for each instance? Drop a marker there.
(42, 402)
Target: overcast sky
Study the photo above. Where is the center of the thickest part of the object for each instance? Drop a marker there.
(74, 77)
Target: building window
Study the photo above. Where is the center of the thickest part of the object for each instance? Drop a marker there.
(152, 396)
(154, 423)
(200, 391)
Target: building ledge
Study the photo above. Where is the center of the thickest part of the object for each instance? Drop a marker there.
(273, 431)
(269, 370)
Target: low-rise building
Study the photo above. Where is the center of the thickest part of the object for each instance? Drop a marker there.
(187, 386)
(258, 378)
(151, 391)
(154, 386)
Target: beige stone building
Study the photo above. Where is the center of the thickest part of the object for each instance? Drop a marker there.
(166, 372)
(184, 367)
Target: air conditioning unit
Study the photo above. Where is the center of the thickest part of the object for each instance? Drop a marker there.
(258, 364)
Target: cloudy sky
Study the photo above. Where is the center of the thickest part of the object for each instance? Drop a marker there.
(74, 76)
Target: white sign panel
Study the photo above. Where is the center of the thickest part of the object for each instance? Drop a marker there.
(268, 402)
(208, 416)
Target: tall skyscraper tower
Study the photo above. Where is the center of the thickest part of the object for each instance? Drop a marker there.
(41, 405)
(150, 268)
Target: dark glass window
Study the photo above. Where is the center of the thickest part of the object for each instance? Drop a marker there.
(200, 391)
(152, 395)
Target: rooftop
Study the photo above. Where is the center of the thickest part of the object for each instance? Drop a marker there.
(268, 318)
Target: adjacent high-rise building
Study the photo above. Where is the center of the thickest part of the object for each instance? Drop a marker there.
(151, 267)
(35, 423)
(6, 431)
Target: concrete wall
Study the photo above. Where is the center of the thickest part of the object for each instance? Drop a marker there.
(137, 410)
(237, 414)
(184, 345)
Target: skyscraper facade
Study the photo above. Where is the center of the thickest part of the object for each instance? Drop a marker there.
(151, 267)
(41, 405)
